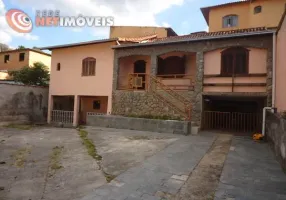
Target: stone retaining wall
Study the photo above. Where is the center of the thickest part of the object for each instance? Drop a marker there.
(153, 125)
(144, 103)
(276, 134)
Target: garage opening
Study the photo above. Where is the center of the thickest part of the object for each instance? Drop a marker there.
(233, 114)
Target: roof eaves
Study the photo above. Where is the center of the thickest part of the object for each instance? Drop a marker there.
(195, 39)
(78, 44)
(281, 21)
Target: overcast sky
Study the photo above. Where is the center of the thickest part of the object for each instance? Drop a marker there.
(184, 16)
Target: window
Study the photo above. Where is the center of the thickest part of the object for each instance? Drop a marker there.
(230, 21)
(59, 67)
(6, 58)
(21, 56)
(88, 66)
(257, 9)
(96, 105)
(234, 61)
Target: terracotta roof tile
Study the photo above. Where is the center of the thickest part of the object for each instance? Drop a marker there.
(137, 39)
(202, 35)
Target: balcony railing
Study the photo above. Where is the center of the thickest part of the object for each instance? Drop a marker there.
(140, 81)
(177, 81)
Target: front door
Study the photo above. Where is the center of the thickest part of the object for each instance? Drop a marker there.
(140, 69)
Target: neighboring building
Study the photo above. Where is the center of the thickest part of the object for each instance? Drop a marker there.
(280, 92)
(244, 14)
(140, 31)
(16, 59)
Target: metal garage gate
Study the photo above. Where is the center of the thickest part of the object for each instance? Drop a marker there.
(232, 121)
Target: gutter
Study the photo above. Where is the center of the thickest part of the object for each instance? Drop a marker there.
(274, 70)
(195, 39)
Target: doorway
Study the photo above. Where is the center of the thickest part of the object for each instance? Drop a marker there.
(140, 71)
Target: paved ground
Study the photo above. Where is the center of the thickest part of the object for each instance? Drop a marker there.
(52, 163)
(251, 173)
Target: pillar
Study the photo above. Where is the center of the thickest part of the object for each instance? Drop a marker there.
(50, 108)
(76, 110)
(198, 90)
(154, 65)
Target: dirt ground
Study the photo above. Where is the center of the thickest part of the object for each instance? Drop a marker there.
(54, 163)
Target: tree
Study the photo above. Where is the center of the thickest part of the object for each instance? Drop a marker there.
(21, 47)
(37, 74)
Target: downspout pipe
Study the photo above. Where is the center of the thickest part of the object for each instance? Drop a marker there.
(274, 71)
(273, 109)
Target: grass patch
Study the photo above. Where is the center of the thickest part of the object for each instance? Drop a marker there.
(91, 149)
(19, 126)
(161, 117)
(55, 160)
(20, 157)
(88, 143)
(109, 177)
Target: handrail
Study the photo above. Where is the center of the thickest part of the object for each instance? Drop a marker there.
(187, 104)
(175, 76)
(170, 91)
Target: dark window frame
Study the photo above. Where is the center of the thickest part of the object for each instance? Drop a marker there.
(21, 57)
(257, 9)
(235, 61)
(229, 21)
(96, 105)
(88, 66)
(6, 58)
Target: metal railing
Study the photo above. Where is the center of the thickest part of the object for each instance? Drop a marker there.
(62, 116)
(232, 121)
(156, 84)
(133, 81)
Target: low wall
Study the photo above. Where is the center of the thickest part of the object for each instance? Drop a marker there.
(153, 125)
(22, 104)
(276, 134)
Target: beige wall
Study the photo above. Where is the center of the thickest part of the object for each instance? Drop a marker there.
(37, 57)
(133, 31)
(30, 58)
(257, 65)
(14, 62)
(68, 81)
(281, 69)
(269, 17)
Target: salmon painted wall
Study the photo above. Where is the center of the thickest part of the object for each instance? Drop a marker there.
(86, 105)
(281, 69)
(257, 65)
(14, 62)
(269, 17)
(133, 31)
(69, 81)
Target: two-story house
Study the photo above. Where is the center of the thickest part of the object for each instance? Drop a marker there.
(220, 79)
(82, 74)
(16, 59)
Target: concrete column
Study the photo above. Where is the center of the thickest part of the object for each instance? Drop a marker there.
(50, 108)
(154, 65)
(76, 110)
(197, 96)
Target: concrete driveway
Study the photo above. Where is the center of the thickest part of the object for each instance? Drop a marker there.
(53, 163)
(99, 163)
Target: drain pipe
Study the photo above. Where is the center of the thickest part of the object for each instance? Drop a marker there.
(273, 85)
